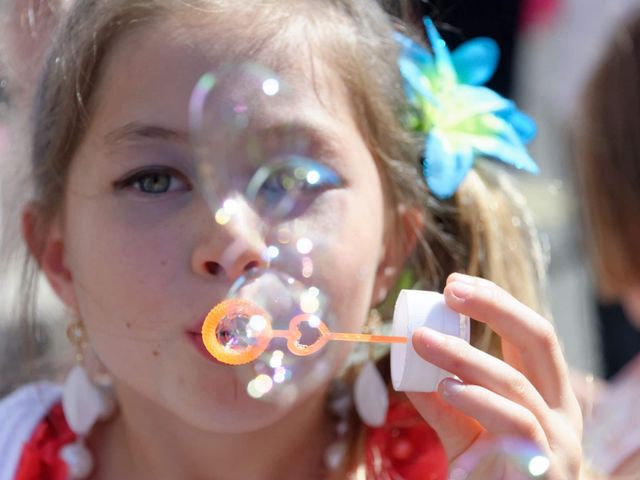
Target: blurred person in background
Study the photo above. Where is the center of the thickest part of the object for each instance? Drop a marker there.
(26, 30)
(608, 169)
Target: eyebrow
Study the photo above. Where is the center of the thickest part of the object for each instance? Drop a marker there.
(322, 136)
(136, 131)
(319, 138)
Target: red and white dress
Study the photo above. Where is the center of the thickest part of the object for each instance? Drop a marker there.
(33, 430)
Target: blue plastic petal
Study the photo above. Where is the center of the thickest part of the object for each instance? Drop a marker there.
(509, 154)
(444, 167)
(416, 80)
(467, 101)
(413, 50)
(523, 124)
(505, 148)
(509, 148)
(476, 61)
(443, 63)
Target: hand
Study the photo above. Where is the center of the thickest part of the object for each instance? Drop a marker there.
(524, 400)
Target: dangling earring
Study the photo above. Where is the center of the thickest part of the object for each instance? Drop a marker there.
(370, 393)
(83, 403)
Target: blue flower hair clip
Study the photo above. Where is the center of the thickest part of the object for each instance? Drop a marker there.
(460, 118)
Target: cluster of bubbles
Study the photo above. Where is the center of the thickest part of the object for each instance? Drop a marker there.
(519, 459)
(258, 173)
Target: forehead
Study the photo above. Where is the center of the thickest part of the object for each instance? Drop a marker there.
(151, 71)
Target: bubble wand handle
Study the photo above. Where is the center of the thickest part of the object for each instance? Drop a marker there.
(362, 337)
(344, 337)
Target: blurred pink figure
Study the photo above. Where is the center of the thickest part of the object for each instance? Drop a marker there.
(26, 29)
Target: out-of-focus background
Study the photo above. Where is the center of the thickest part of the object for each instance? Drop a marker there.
(548, 47)
(558, 45)
(26, 29)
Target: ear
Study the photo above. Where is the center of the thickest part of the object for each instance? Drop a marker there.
(401, 237)
(46, 246)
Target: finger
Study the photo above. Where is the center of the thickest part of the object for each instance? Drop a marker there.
(479, 368)
(534, 337)
(509, 352)
(456, 430)
(498, 415)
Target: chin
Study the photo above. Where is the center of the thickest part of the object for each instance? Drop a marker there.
(225, 407)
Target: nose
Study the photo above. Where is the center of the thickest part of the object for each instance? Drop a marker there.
(230, 250)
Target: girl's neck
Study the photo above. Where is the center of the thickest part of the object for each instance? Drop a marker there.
(144, 441)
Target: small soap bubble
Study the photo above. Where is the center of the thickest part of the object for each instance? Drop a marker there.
(309, 303)
(276, 359)
(271, 86)
(304, 246)
(538, 466)
(222, 217)
(280, 375)
(284, 298)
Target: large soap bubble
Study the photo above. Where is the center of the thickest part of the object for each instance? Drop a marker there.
(243, 147)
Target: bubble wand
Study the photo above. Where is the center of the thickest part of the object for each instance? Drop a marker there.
(222, 340)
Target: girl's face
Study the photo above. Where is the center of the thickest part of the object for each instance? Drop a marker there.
(138, 239)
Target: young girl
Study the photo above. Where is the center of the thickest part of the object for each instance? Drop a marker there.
(120, 229)
(608, 168)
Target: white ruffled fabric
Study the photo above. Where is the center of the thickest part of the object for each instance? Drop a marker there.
(20, 413)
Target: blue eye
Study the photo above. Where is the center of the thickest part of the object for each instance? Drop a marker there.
(280, 189)
(155, 181)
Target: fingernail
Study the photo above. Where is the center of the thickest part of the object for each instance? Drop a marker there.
(463, 278)
(430, 335)
(451, 386)
(461, 291)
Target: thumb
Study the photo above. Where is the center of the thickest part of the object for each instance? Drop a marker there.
(456, 430)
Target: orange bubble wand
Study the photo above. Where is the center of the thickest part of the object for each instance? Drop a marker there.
(259, 333)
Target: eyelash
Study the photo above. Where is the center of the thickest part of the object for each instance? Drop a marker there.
(135, 179)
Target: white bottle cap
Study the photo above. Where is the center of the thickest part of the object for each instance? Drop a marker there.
(415, 309)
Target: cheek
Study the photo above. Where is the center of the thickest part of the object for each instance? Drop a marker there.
(121, 272)
(348, 264)
(131, 291)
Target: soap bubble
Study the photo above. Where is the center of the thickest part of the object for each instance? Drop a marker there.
(262, 180)
(245, 142)
(513, 457)
(294, 358)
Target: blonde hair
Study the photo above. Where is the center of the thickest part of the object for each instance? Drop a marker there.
(483, 230)
(608, 160)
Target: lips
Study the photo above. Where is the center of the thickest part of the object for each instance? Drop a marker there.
(194, 335)
(196, 327)
(196, 340)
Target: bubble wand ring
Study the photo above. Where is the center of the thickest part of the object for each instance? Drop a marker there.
(260, 332)
(229, 310)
